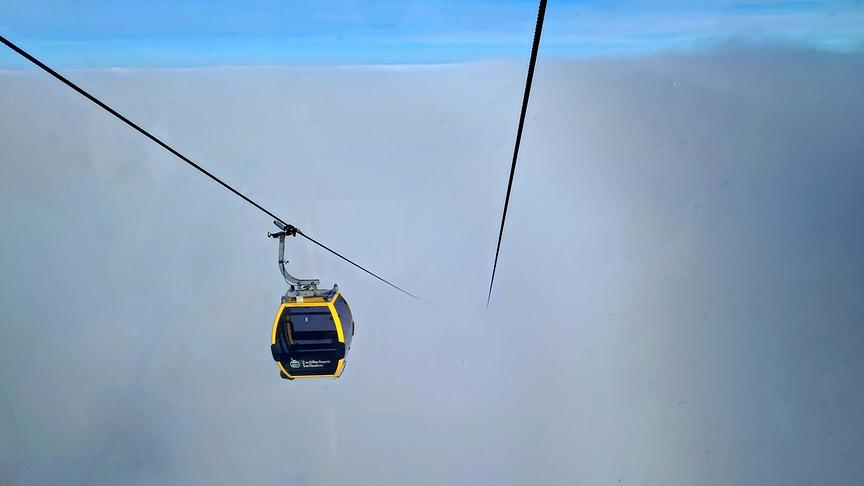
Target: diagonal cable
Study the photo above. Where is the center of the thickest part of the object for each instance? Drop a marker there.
(541, 13)
(182, 157)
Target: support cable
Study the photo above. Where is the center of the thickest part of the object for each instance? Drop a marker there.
(538, 29)
(182, 157)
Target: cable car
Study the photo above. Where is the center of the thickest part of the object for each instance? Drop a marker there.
(313, 328)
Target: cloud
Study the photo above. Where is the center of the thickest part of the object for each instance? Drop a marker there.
(677, 297)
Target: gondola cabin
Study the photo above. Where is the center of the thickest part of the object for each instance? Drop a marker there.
(311, 336)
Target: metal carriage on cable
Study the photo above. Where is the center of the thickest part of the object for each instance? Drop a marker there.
(313, 328)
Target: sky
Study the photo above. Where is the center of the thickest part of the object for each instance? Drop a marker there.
(103, 33)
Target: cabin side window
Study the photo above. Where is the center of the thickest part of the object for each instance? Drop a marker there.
(345, 316)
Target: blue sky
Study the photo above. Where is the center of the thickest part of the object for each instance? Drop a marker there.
(100, 33)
